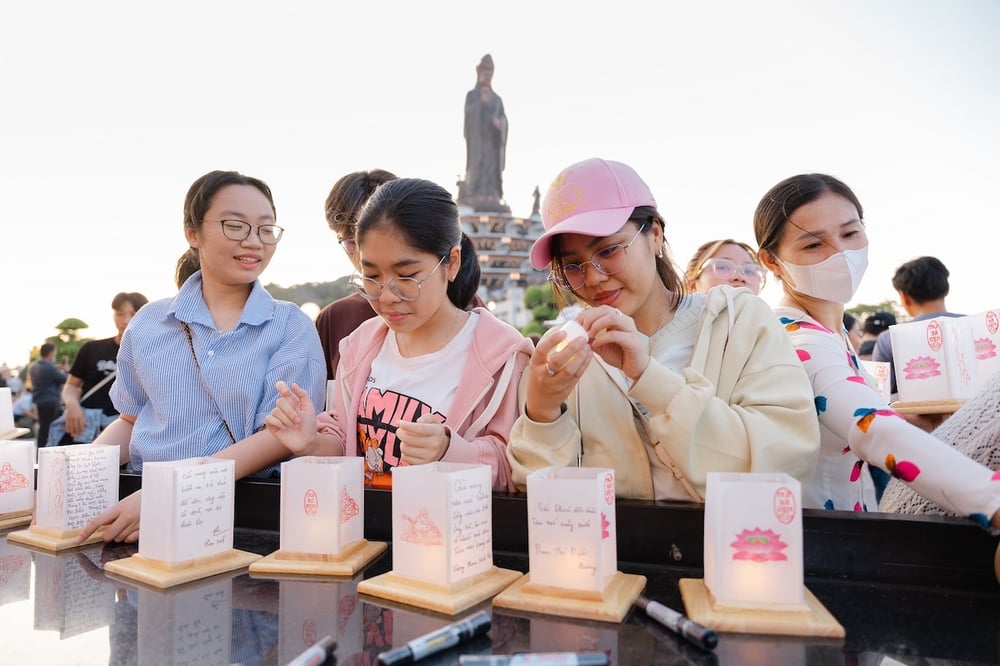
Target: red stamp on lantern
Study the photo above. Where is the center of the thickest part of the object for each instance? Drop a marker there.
(992, 322)
(784, 505)
(310, 502)
(609, 489)
(935, 338)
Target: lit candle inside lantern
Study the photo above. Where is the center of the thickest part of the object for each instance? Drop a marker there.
(572, 330)
(322, 504)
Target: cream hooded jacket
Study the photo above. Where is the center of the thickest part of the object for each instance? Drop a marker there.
(744, 404)
(485, 404)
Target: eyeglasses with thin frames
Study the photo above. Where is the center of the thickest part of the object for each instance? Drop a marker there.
(607, 261)
(404, 288)
(726, 269)
(238, 230)
(349, 244)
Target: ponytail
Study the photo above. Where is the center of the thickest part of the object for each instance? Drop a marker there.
(463, 288)
(186, 266)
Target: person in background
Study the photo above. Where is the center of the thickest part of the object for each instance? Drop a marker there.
(922, 285)
(664, 386)
(46, 389)
(25, 414)
(811, 233)
(95, 361)
(724, 261)
(853, 329)
(12, 381)
(427, 379)
(339, 319)
(875, 324)
(196, 371)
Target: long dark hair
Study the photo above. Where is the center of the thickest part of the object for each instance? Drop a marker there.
(426, 215)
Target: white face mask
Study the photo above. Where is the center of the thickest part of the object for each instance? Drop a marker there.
(836, 278)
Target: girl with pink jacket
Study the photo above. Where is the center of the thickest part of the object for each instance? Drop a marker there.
(427, 379)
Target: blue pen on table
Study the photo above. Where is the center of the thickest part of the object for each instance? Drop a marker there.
(536, 659)
(701, 636)
(436, 641)
(317, 654)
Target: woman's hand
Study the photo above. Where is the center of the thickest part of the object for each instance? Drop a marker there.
(926, 422)
(615, 339)
(120, 522)
(422, 441)
(553, 372)
(293, 419)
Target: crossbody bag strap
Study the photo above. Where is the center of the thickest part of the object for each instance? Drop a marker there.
(204, 385)
(494, 404)
(98, 385)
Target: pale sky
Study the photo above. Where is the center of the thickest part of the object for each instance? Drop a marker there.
(111, 109)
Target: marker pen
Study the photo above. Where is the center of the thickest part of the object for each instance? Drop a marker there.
(317, 654)
(701, 636)
(436, 641)
(536, 659)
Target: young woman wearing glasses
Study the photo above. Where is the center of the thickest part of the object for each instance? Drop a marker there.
(196, 372)
(665, 386)
(724, 261)
(427, 379)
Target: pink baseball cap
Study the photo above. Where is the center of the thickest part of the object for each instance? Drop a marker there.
(594, 197)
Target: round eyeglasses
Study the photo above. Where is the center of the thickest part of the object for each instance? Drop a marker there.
(238, 230)
(726, 269)
(404, 288)
(607, 261)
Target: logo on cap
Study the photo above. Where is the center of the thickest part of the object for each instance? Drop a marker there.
(563, 198)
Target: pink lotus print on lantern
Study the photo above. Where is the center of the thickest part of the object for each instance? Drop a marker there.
(759, 545)
(985, 348)
(922, 367)
(605, 524)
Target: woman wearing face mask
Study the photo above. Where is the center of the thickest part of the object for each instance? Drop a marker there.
(811, 235)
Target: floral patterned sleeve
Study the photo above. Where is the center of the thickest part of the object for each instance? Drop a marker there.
(857, 420)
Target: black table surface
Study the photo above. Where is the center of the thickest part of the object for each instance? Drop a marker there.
(908, 590)
(62, 609)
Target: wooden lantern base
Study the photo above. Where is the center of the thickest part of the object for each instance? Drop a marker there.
(446, 599)
(813, 620)
(14, 519)
(16, 433)
(927, 406)
(52, 539)
(346, 563)
(161, 574)
(610, 606)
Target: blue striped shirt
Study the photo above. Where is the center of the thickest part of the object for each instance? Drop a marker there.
(159, 384)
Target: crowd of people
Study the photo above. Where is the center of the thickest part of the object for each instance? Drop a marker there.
(679, 374)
